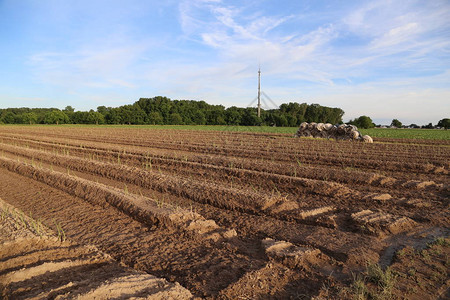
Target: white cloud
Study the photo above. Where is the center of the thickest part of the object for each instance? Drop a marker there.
(87, 66)
(396, 36)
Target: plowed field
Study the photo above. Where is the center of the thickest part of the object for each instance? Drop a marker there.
(231, 215)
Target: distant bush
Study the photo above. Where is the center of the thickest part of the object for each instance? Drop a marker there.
(396, 123)
(444, 123)
(363, 122)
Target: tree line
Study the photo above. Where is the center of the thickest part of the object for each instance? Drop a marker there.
(162, 110)
(366, 122)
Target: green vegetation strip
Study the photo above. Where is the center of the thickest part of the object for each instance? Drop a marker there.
(426, 134)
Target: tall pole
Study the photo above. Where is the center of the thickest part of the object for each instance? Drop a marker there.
(259, 92)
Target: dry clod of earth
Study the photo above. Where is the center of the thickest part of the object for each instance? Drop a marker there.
(288, 253)
(378, 197)
(380, 222)
(328, 221)
(421, 184)
(418, 203)
(316, 211)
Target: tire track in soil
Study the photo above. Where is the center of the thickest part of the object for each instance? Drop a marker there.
(305, 200)
(294, 232)
(355, 205)
(139, 251)
(327, 158)
(142, 260)
(37, 265)
(279, 143)
(202, 266)
(140, 156)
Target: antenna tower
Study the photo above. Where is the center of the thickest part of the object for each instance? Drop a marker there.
(259, 92)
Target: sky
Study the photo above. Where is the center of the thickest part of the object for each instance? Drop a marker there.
(383, 58)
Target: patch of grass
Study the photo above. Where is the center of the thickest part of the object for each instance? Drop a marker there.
(375, 283)
(412, 272)
(359, 288)
(425, 134)
(384, 279)
(21, 221)
(425, 255)
(401, 252)
(440, 241)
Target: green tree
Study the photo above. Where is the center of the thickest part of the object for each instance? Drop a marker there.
(250, 117)
(68, 109)
(216, 116)
(175, 119)
(199, 118)
(233, 116)
(112, 116)
(95, 117)
(313, 113)
(79, 117)
(291, 120)
(363, 122)
(56, 117)
(9, 117)
(155, 118)
(29, 118)
(102, 109)
(281, 120)
(132, 114)
(396, 123)
(444, 123)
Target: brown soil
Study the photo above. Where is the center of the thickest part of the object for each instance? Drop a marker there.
(35, 264)
(229, 215)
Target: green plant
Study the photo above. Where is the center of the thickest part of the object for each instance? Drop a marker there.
(21, 217)
(384, 279)
(37, 226)
(359, 288)
(412, 272)
(4, 213)
(401, 252)
(60, 230)
(440, 241)
(425, 255)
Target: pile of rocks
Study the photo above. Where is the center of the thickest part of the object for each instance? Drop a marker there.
(327, 131)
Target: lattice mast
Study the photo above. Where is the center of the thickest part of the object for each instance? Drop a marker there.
(259, 92)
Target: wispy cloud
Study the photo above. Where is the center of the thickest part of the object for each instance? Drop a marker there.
(87, 66)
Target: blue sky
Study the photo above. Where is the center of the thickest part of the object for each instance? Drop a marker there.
(385, 59)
